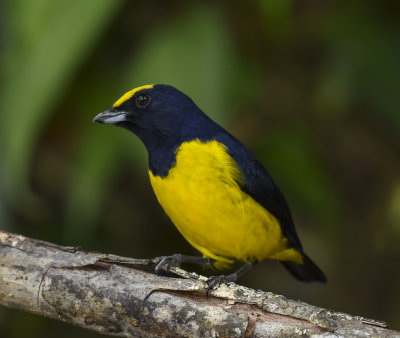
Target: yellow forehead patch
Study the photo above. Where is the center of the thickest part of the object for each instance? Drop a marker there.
(129, 94)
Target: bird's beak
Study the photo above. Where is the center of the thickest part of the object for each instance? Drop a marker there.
(110, 116)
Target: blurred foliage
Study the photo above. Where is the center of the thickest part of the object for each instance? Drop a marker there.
(46, 43)
(311, 87)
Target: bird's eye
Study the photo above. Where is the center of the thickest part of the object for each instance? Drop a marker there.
(142, 100)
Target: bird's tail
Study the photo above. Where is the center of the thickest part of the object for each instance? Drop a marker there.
(306, 272)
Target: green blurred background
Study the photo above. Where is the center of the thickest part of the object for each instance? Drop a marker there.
(312, 87)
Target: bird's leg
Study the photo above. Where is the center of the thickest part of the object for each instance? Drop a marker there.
(176, 260)
(215, 281)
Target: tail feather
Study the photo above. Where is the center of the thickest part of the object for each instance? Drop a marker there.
(306, 272)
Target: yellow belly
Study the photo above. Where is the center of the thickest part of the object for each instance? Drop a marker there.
(202, 196)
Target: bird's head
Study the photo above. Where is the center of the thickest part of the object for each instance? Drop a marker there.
(157, 114)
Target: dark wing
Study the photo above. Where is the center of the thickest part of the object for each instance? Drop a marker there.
(260, 186)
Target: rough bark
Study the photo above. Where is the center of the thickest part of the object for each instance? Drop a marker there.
(116, 296)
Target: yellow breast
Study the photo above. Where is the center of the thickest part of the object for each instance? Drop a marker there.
(202, 196)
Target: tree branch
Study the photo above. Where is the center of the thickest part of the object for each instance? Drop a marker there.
(116, 296)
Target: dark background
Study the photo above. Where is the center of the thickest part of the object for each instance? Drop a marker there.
(312, 87)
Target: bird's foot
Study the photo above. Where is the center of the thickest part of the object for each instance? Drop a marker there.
(166, 262)
(214, 282)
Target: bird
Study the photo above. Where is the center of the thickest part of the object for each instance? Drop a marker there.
(212, 187)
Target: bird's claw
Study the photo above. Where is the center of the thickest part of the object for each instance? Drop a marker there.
(214, 282)
(166, 262)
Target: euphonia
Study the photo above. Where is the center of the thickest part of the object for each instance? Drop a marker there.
(215, 191)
